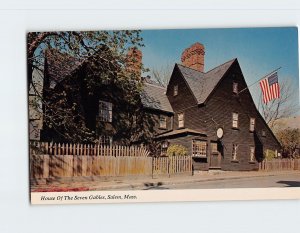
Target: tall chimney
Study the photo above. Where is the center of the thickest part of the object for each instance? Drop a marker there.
(134, 61)
(193, 57)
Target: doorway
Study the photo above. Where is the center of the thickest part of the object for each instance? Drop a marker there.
(216, 150)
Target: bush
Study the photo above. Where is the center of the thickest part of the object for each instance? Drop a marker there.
(176, 150)
(269, 154)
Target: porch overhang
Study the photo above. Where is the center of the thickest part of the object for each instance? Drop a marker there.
(180, 132)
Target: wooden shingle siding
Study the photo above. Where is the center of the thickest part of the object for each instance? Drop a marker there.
(184, 98)
(217, 112)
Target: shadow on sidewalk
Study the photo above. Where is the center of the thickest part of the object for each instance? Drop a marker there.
(153, 186)
(290, 183)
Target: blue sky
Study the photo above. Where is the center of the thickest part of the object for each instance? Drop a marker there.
(258, 50)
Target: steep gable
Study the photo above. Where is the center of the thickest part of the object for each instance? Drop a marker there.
(184, 97)
(203, 84)
(59, 66)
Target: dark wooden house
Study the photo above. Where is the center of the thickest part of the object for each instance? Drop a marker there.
(218, 124)
(204, 111)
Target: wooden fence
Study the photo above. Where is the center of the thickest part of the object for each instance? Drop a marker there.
(46, 166)
(279, 165)
(172, 165)
(86, 149)
(51, 166)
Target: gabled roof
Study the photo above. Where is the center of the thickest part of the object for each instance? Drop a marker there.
(60, 65)
(203, 84)
(154, 96)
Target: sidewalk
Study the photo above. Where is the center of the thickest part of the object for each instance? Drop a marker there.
(142, 183)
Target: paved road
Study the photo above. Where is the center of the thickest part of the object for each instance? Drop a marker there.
(282, 180)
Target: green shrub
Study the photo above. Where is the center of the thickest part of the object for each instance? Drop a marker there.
(176, 150)
(269, 154)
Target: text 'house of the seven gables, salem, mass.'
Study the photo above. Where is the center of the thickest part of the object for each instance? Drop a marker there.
(203, 111)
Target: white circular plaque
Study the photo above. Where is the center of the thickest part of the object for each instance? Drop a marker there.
(220, 132)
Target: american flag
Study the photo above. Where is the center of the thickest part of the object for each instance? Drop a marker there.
(270, 88)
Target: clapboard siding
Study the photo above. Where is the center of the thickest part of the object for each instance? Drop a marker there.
(184, 98)
(217, 112)
(155, 117)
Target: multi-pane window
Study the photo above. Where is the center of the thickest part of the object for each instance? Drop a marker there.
(164, 147)
(180, 120)
(234, 151)
(214, 147)
(235, 120)
(175, 91)
(105, 140)
(105, 111)
(199, 148)
(252, 124)
(235, 88)
(162, 122)
(252, 154)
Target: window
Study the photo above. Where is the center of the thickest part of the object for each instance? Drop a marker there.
(235, 120)
(105, 140)
(164, 147)
(252, 154)
(235, 88)
(214, 147)
(252, 124)
(162, 122)
(180, 120)
(234, 152)
(105, 111)
(199, 148)
(263, 133)
(175, 90)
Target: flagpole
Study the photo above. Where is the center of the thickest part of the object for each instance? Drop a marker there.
(260, 79)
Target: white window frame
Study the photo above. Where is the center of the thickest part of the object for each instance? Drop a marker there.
(252, 124)
(175, 90)
(234, 152)
(252, 154)
(235, 120)
(164, 147)
(162, 122)
(105, 111)
(105, 140)
(180, 120)
(199, 148)
(235, 86)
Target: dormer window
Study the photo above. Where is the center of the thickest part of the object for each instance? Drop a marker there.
(235, 88)
(175, 91)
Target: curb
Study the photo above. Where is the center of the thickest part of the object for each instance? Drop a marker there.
(189, 181)
(157, 182)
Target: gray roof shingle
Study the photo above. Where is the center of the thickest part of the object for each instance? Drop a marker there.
(202, 84)
(154, 96)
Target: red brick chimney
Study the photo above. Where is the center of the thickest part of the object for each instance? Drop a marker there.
(134, 61)
(193, 57)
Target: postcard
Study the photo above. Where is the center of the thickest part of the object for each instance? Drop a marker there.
(163, 115)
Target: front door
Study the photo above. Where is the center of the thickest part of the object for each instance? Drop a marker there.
(215, 155)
